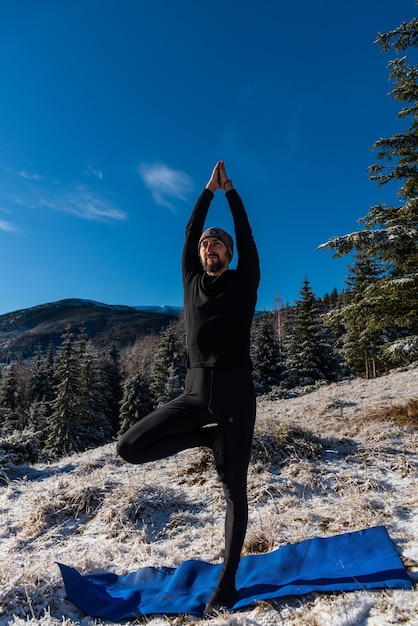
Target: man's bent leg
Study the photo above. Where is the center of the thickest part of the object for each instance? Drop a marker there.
(172, 428)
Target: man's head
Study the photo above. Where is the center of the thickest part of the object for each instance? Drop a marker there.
(215, 250)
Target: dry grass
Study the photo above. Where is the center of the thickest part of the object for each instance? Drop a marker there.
(339, 459)
(285, 444)
(405, 414)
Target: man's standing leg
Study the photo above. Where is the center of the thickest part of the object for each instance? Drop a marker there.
(238, 428)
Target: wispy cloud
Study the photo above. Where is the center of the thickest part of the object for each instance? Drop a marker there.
(7, 226)
(165, 184)
(90, 171)
(36, 192)
(24, 174)
(83, 203)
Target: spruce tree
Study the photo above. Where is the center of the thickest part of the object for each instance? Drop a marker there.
(42, 392)
(173, 385)
(14, 397)
(331, 300)
(42, 376)
(93, 402)
(265, 353)
(113, 382)
(8, 388)
(170, 357)
(65, 434)
(307, 354)
(361, 344)
(136, 401)
(390, 233)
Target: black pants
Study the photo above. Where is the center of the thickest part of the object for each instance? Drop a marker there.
(211, 396)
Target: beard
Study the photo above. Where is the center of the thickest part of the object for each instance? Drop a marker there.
(213, 265)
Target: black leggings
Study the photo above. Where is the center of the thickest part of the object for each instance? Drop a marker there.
(211, 396)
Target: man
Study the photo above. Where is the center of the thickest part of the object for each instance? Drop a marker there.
(217, 407)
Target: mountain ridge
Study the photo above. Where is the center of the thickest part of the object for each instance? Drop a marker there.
(22, 331)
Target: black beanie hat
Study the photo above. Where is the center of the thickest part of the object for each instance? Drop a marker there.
(219, 234)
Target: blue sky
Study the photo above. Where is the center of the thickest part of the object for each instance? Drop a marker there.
(113, 113)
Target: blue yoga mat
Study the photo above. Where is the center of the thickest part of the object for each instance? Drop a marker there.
(365, 559)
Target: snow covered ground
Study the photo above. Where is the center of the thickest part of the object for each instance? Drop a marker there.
(345, 469)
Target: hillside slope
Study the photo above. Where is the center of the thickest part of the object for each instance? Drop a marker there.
(22, 331)
(341, 467)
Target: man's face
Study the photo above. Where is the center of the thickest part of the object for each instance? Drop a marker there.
(214, 256)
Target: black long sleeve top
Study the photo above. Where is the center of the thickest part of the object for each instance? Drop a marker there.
(219, 310)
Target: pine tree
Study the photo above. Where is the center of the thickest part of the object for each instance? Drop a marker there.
(93, 399)
(390, 234)
(42, 376)
(265, 353)
(14, 397)
(331, 300)
(361, 344)
(65, 434)
(113, 382)
(170, 353)
(136, 401)
(8, 388)
(39, 419)
(307, 354)
(173, 386)
(42, 392)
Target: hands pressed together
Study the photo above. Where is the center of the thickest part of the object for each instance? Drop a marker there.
(219, 179)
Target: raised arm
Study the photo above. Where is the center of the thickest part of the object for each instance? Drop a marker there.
(248, 260)
(190, 261)
(247, 252)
